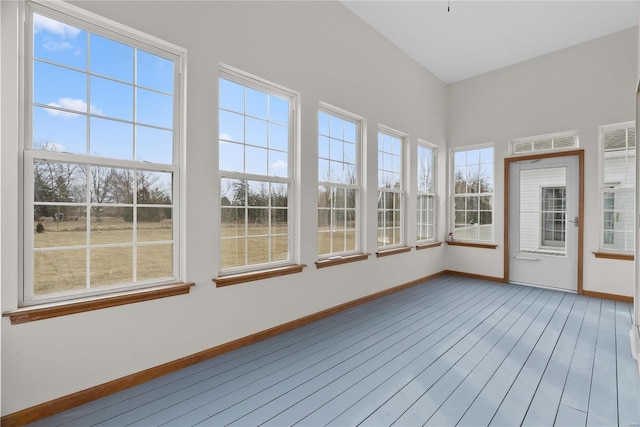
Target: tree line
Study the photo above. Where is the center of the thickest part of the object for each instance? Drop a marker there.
(57, 182)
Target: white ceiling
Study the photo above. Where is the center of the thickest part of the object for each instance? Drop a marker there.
(479, 36)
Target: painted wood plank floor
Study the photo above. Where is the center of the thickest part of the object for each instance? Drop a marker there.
(451, 351)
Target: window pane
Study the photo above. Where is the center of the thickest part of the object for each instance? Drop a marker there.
(473, 175)
(336, 150)
(111, 58)
(256, 103)
(59, 42)
(111, 99)
(256, 161)
(110, 138)
(258, 194)
(154, 225)
(278, 137)
(278, 163)
(278, 110)
(154, 262)
(154, 145)
(154, 188)
(231, 96)
(59, 182)
(231, 156)
(154, 72)
(59, 131)
(58, 226)
(59, 271)
(257, 250)
(233, 253)
(231, 126)
(72, 95)
(111, 225)
(110, 185)
(256, 132)
(323, 123)
(111, 266)
(233, 191)
(154, 108)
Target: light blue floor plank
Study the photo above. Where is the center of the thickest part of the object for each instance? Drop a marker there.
(358, 402)
(368, 404)
(394, 376)
(303, 364)
(91, 413)
(516, 403)
(451, 351)
(574, 403)
(234, 371)
(544, 405)
(603, 399)
(454, 408)
(452, 371)
(343, 373)
(484, 408)
(627, 370)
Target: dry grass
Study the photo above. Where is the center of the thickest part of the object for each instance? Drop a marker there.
(66, 269)
(256, 248)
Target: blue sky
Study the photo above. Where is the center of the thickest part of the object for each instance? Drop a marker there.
(63, 86)
(253, 131)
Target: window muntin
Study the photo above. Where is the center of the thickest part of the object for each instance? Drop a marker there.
(256, 178)
(473, 194)
(101, 168)
(426, 159)
(390, 189)
(618, 144)
(338, 183)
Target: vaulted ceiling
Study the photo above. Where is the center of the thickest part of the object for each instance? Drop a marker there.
(456, 40)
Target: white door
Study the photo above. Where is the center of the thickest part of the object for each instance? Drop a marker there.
(543, 222)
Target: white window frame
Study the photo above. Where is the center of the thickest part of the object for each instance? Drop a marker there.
(603, 189)
(96, 24)
(549, 136)
(249, 80)
(433, 194)
(360, 123)
(401, 192)
(452, 222)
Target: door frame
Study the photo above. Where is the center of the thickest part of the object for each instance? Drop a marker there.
(507, 166)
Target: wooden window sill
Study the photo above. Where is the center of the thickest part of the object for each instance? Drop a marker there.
(473, 245)
(341, 260)
(64, 308)
(234, 279)
(610, 255)
(428, 245)
(394, 251)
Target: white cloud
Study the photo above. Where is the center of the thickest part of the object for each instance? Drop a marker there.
(70, 104)
(52, 146)
(280, 164)
(225, 136)
(42, 23)
(57, 46)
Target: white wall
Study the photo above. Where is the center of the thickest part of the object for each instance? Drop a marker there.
(578, 88)
(317, 48)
